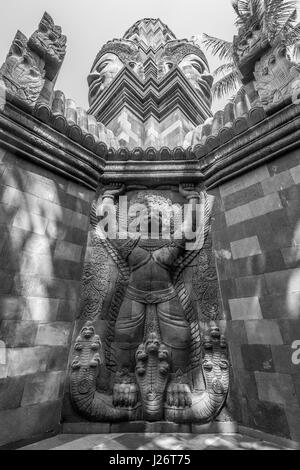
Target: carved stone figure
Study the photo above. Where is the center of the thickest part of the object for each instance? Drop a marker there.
(102, 74)
(22, 72)
(153, 346)
(275, 75)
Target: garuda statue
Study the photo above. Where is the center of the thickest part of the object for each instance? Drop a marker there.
(147, 358)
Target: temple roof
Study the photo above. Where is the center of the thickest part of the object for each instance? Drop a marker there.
(150, 32)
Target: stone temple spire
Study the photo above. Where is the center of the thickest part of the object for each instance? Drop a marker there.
(150, 33)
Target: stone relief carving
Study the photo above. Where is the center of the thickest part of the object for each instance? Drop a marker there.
(275, 75)
(31, 64)
(22, 72)
(50, 44)
(153, 347)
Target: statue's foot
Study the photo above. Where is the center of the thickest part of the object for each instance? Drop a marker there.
(125, 392)
(179, 395)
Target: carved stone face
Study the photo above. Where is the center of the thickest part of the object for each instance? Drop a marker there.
(196, 72)
(102, 74)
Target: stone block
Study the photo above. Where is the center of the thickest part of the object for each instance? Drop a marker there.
(11, 392)
(18, 333)
(245, 383)
(236, 358)
(282, 358)
(53, 334)
(295, 172)
(283, 281)
(30, 222)
(245, 308)
(68, 310)
(251, 286)
(290, 329)
(24, 361)
(291, 256)
(277, 182)
(288, 161)
(41, 309)
(35, 263)
(235, 331)
(42, 188)
(293, 417)
(265, 204)
(12, 308)
(263, 332)
(15, 178)
(243, 196)
(257, 357)
(67, 251)
(41, 388)
(274, 306)
(29, 422)
(245, 247)
(6, 282)
(58, 358)
(80, 192)
(276, 388)
(268, 417)
(238, 215)
(258, 264)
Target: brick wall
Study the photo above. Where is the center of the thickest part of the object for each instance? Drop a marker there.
(256, 232)
(43, 230)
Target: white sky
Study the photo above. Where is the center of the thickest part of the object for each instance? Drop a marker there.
(88, 24)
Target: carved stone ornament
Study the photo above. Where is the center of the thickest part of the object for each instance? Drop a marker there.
(275, 74)
(141, 338)
(23, 73)
(50, 44)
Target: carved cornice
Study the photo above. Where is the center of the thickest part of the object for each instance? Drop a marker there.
(29, 138)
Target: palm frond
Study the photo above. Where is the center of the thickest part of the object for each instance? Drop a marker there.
(224, 69)
(278, 14)
(219, 47)
(225, 85)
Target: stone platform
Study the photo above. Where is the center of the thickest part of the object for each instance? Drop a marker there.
(152, 441)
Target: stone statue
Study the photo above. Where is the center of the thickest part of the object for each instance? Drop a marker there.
(102, 74)
(153, 344)
(22, 73)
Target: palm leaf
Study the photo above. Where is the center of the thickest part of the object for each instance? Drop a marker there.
(225, 85)
(219, 47)
(224, 69)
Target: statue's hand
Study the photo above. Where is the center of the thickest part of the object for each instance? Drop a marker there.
(188, 191)
(114, 189)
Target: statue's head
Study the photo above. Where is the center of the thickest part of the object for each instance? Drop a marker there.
(102, 74)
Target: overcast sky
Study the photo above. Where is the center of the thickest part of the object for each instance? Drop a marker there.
(88, 24)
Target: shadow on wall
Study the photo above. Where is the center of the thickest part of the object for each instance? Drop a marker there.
(40, 269)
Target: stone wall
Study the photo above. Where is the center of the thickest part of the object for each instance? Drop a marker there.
(44, 222)
(257, 245)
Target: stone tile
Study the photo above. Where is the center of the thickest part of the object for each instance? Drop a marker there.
(236, 358)
(245, 308)
(263, 332)
(53, 334)
(68, 251)
(291, 256)
(277, 182)
(283, 281)
(276, 388)
(258, 264)
(238, 215)
(41, 188)
(245, 247)
(269, 417)
(245, 383)
(6, 282)
(41, 309)
(58, 358)
(293, 417)
(236, 332)
(33, 420)
(290, 160)
(282, 357)
(296, 380)
(78, 191)
(257, 357)
(243, 196)
(11, 392)
(274, 306)
(290, 329)
(265, 204)
(41, 388)
(24, 361)
(30, 222)
(12, 308)
(35, 263)
(251, 286)
(68, 310)
(18, 333)
(295, 172)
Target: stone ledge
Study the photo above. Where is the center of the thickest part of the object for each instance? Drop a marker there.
(162, 427)
(281, 441)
